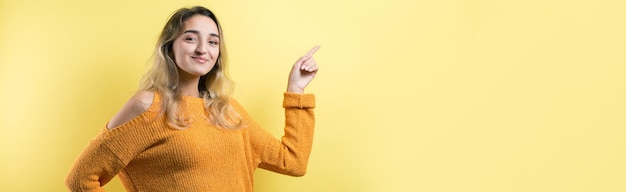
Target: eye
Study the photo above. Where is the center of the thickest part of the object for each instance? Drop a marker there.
(191, 39)
(213, 43)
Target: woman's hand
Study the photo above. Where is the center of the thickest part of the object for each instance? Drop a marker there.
(302, 72)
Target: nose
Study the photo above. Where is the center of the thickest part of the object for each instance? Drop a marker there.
(201, 49)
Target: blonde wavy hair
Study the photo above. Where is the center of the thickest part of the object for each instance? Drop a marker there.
(163, 78)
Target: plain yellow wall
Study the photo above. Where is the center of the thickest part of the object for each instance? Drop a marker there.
(437, 96)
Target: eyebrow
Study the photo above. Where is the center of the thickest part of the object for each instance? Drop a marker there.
(198, 33)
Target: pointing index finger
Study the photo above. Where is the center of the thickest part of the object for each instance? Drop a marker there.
(312, 50)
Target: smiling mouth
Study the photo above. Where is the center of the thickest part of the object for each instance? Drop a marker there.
(200, 59)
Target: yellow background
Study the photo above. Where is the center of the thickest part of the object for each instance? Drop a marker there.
(436, 96)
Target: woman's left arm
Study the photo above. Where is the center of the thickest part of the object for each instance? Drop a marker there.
(290, 154)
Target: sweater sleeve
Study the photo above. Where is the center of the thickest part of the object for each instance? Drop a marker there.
(290, 154)
(111, 150)
(95, 167)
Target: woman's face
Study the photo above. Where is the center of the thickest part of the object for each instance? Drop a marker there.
(197, 48)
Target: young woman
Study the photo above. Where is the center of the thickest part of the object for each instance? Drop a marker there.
(183, 132)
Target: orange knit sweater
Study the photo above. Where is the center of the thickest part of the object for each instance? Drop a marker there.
(150, 156)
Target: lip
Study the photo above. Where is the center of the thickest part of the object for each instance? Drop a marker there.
(200, 60)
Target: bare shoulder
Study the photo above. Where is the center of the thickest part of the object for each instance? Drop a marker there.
(143, 99)
(137, 104)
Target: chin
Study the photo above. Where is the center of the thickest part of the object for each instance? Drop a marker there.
(203, 74)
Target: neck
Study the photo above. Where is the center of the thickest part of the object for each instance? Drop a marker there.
(189, 86)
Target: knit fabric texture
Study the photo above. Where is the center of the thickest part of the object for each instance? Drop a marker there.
(148, 155)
